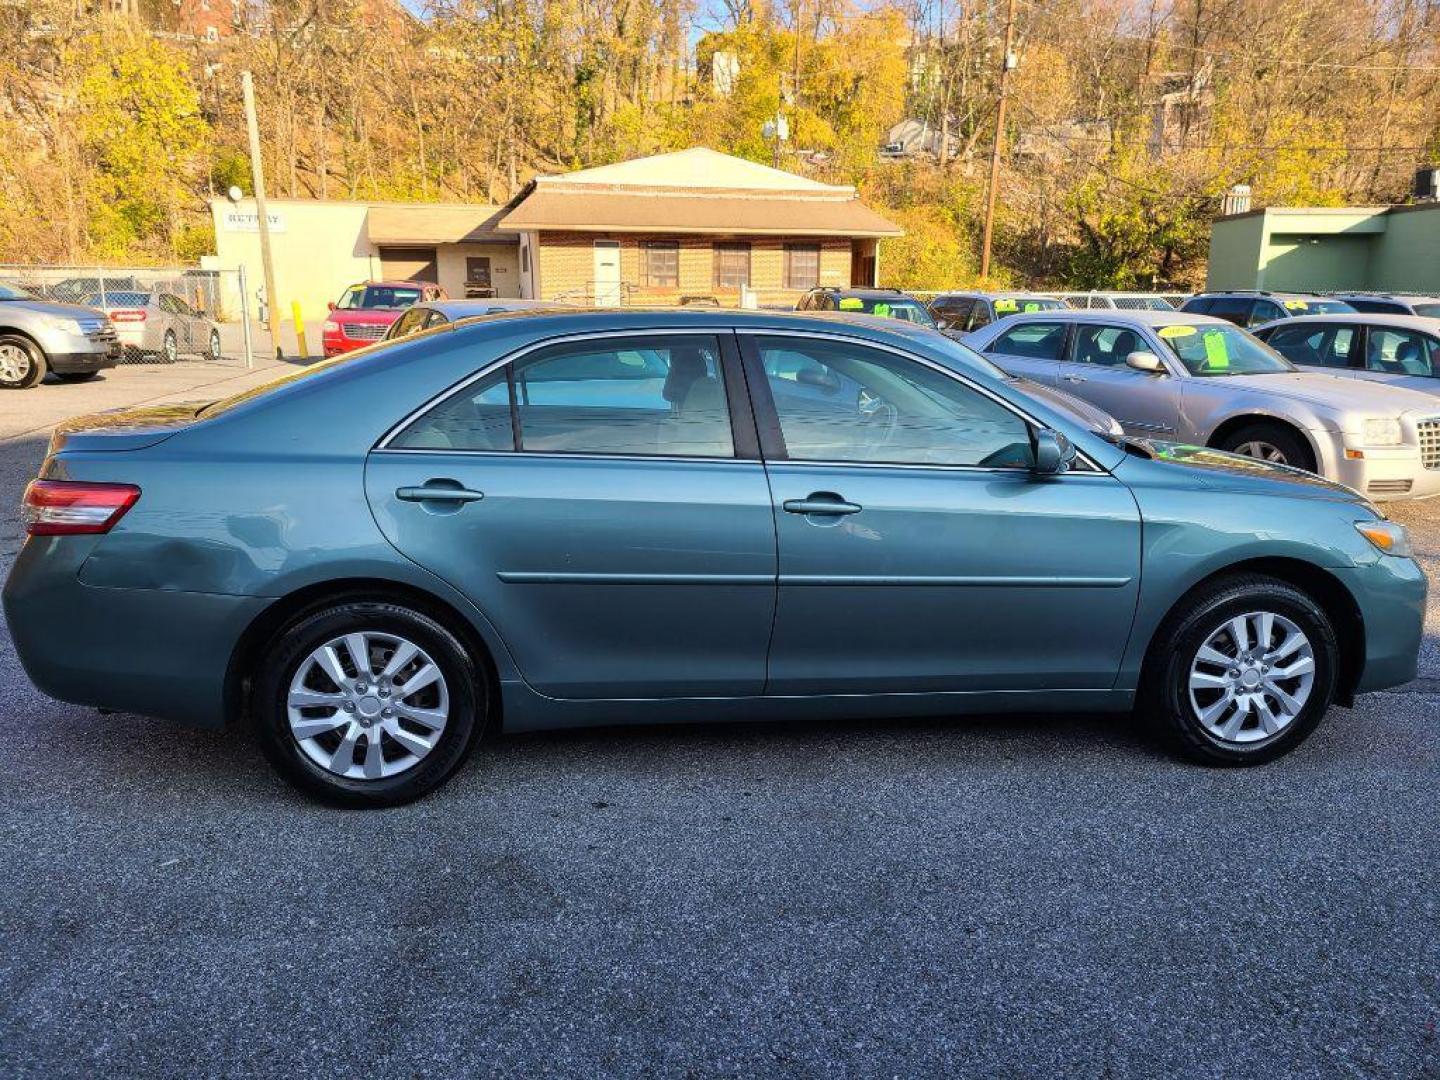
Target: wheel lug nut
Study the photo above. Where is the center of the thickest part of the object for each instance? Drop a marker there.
(384, 691)
(387, 712)
(349, 706)
(360, 686)
(1234, 674)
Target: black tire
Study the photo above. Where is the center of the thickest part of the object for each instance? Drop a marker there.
(33, 366)
(1165, 701)
(282, 659)
(1290, 444)
(169, 348)
(212, 348)
(75, 376)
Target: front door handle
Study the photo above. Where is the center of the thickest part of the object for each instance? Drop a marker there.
(1073, 378)
(438, 491)
(824, 503)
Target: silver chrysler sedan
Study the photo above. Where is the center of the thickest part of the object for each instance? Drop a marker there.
(1196, 379)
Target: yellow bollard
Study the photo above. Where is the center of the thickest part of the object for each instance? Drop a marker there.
(299, 329)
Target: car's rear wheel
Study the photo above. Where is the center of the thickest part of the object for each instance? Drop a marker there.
(1241, 672)
(169, 348)
(1274, 443)
(368, 703)
(212, 349)
(22, 364)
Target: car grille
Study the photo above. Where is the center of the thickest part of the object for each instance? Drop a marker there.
(1430, 443)
(99, 329)
(1389, 487)
(364, 331)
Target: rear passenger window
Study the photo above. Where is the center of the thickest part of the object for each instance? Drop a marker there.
(1036, 341)
(1235, 309)
(630, 396)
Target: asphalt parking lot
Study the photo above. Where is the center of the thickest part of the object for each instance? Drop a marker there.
(1025, 896)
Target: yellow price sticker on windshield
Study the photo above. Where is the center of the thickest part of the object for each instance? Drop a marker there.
(1217, 356)
(1168, 332)
(1006, 305)
(1297, 305)
(851, 303)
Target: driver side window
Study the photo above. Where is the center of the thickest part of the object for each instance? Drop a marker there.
(837, 401)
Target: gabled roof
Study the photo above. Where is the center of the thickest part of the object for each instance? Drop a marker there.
(698, 167)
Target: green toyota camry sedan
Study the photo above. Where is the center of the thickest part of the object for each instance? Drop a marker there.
(554, 519)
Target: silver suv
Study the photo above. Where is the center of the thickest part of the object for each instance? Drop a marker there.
(37, 336)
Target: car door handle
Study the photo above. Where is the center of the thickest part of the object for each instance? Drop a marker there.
(438, 491)
(826, 503)
(1074, 378)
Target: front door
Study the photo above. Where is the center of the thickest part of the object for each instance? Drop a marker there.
(1147, 404)
(917, 550)
(607, 273)
(590, 500)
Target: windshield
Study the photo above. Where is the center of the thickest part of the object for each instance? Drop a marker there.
(902, 308)
(1010, 305)
(1310, 306)
(1431, 311)
(1207, 350)
(378, 296)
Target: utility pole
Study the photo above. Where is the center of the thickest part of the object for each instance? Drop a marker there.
(1006, 63)
(257, 177)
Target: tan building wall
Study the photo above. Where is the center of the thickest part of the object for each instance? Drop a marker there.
(567, 267)
(504, 267)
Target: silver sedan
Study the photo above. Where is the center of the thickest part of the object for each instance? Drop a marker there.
(1195, 379)
(1403, 350)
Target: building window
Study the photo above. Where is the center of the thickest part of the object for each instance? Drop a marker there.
(732, 266)
(802, 266)
(660, 264)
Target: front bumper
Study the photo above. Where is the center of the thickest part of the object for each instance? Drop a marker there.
(1390, 593)
(67, 353)
(155, 652)
(1386, 473)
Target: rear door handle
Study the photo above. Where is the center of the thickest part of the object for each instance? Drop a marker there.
(438, 491)
(824, 503)
(1073, 378)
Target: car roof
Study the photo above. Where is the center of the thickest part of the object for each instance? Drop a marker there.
(394, 284)
(1402, 296)
(1124, 316)
(1364, 318)
(459, 309)
(1013, 294)
(1263, 292)
(878, 293)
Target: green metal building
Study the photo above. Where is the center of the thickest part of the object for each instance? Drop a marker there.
(1304, 249)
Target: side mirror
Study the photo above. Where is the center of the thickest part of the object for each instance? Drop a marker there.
(331, 305)
(1054, 453)
(1146, 361)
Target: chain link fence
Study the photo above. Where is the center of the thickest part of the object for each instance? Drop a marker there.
(161, 314)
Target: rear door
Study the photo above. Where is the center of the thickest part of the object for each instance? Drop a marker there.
(603, 502)
(1031, 348)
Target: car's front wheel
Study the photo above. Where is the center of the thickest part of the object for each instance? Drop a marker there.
(368, 703)
(1273, 443)
(1242, 672)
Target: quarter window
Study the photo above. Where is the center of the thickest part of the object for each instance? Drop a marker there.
(732, 266)
(661, 264)
(841, 402)
(1034, 340)
(802, 266)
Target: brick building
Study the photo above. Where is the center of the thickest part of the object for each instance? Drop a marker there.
(658, 230)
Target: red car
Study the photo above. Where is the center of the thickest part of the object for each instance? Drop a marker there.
(366, 311)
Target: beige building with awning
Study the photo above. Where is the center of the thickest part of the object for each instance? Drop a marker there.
(690, 226)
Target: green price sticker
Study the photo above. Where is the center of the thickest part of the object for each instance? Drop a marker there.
(883, 310)
(1217, 356)
(1031, 305)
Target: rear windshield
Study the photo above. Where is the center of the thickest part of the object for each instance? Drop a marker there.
(1429, 310)
(897, 308)
(117, 300)
(1010, 305)
(1311, 306)
(378, 296)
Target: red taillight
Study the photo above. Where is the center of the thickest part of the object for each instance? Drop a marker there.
(128, 315)
(70, 507)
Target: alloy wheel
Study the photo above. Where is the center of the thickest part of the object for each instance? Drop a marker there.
(1263, 451)
(15, 363)
(1252, 677)
(368, 705)
(172, 350)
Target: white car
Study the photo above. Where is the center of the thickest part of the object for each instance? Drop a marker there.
(1180, 377)
(1399, 349)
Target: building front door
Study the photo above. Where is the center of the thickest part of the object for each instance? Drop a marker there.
(607, 273)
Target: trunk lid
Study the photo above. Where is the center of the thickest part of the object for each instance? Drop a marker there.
(124, 429)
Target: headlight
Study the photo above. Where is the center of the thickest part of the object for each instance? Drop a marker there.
(330, 327)
(1379, 431)
(1387, 536)
(62, 326)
